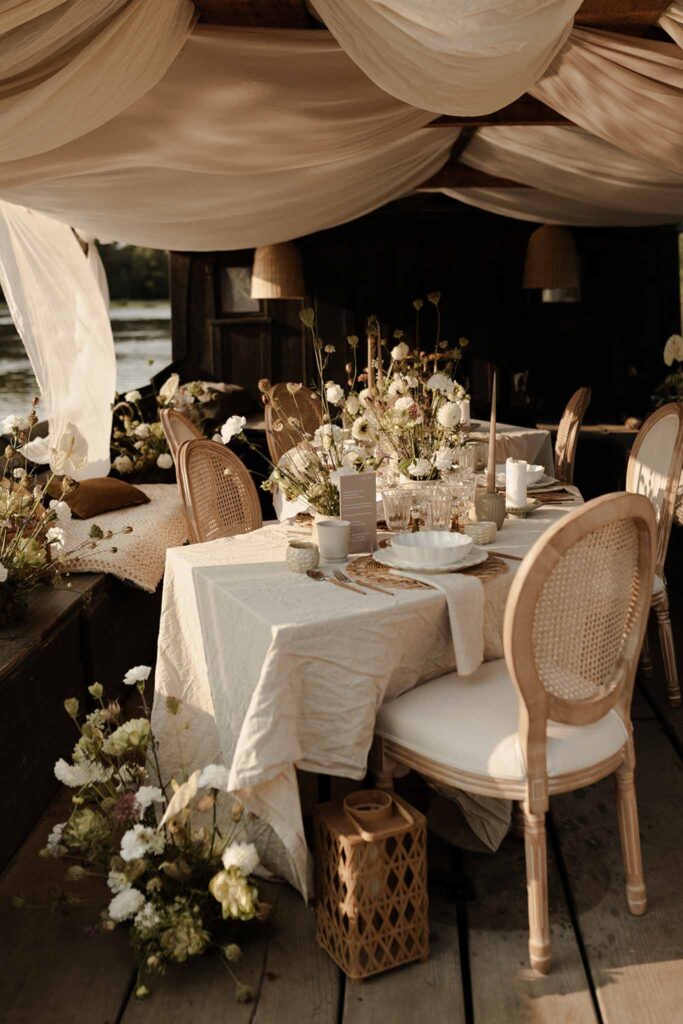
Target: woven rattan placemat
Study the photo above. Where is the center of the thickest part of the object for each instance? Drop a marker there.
(366, 567)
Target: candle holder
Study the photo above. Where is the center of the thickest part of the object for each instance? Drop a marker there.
(490, 507)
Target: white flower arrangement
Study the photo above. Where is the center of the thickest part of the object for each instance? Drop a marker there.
(671, 388)
(173, 869)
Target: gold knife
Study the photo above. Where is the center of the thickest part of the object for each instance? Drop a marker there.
(380, 590)
(346, 586)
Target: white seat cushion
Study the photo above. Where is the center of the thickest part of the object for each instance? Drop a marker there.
(471, 723)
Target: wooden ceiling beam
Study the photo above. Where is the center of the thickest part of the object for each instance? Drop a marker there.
(456, 175)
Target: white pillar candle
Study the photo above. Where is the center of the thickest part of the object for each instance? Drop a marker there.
(464, 404)
(515, 483)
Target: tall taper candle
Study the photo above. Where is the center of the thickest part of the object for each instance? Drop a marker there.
(491, 464)
(380, 368)
(371, 381)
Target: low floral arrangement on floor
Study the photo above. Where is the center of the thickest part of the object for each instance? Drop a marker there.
(671, 388)
(179, 883)
(406, 417)
(33, 548)
(138, 441)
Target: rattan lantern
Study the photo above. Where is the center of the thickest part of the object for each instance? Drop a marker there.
(552, 264)
(371, 883)
(278, 272)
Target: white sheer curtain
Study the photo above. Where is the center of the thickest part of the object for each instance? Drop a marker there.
(68, 66)
(58, 308)
(451, 56)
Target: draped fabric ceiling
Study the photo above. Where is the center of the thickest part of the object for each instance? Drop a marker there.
(127, 120)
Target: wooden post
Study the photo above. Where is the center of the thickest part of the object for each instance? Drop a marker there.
(491, 464)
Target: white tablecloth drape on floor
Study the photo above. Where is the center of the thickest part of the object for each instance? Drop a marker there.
(278, 672)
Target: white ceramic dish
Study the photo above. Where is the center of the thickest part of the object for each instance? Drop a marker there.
(388, 557)
(534, 475)
(431, 547)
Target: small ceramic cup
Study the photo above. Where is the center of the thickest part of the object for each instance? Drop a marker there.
(334, 539)
(302, 556)
(481, 533)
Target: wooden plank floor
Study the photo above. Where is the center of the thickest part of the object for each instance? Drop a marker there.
(608, 967)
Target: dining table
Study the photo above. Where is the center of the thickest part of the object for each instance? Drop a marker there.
(276, 671)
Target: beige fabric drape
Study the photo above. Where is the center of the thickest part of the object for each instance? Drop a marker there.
(68, 66)
(252, 136)
(672, 21)
(627, 91)
(451, 56)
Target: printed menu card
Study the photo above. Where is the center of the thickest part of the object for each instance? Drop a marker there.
(358, 504)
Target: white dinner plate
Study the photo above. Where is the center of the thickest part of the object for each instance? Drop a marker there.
(387, 556)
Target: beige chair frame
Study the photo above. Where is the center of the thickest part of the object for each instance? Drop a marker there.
(178, 428)
(537, 706)
(219, 495)
(304, 405)
(660, 600)
(568, 435)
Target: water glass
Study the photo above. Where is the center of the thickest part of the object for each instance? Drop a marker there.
(398, 502)
(461, 484)
(439, 506)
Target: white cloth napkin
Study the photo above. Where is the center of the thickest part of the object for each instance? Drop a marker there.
(465, 600)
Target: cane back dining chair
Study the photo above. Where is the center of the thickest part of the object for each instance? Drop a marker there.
(218, 492)
(281, 405)
(178, 429)
(568, 435)
(554, 715)
(654, 469)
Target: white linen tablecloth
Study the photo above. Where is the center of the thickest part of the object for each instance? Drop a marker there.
(527, 443)
(278, 672)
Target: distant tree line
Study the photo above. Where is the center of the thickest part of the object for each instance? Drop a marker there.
(134, 272)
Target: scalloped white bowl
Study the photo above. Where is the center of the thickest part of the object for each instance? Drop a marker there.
(432, 547)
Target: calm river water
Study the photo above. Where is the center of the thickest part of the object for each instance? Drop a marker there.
(142, 331)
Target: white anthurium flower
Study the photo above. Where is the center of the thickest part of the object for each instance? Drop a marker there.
(182, 797)
(61, 510)
(38, 450)
(232, 427)
(334, 394)
(673, 350)
(169, 388)
(70, 453)
(399, 352)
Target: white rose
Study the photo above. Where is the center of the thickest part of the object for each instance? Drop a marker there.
(242, 856)
(3, 573)
(169, 388)
(12, 423)
(673, 350)
(404, 403)
(126, 904)
(214, 776)
(443, 458)
(328, 434)
(140, 839)
(449, 415)
(352, 405)
(138, 674)
(400, 351)
(232, 427)
(132, 396)
(440, 382)
(123, 464)
(334, 394)
(142, 430)
(420, 468)
(165, 461)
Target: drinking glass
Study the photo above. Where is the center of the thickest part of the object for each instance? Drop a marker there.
(439, 505)
(461, 484)
(398, 502)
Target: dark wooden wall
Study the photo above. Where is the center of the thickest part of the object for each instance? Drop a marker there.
(611, 340)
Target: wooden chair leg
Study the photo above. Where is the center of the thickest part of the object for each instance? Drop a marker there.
(627, 810)
(646, 659)
(381, 766)
(666, 639)
(537, 891)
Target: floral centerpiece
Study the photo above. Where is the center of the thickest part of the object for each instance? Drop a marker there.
(406, 415)
(33, 512)
(671, 388)
(138, 441)
(175, 878)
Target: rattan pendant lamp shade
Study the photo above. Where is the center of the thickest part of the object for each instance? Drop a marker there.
(552, 264)
(278, 272)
